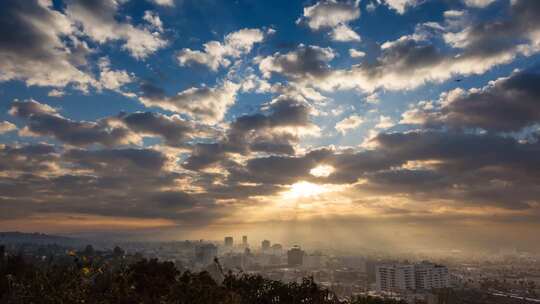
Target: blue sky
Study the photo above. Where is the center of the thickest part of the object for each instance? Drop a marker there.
(185, 115)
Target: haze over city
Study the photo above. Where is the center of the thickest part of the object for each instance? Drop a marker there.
(388, 125)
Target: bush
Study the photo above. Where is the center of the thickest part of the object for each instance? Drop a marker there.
(83, 280)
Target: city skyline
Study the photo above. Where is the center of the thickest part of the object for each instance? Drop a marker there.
(398, 125)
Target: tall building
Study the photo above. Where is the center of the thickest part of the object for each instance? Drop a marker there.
(395, 277)
(265, 245)
(229, 241)
(431, 276)
(205, 254)
(295, 256)
(277, 249)
(244, 241)
(402, 277)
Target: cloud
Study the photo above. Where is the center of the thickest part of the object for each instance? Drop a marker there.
(38, 46)
(30, 159)
(118, 161)
(125, 183)
(349, 123)
(330, 14)
(278, 170)
(303, 63)
(344, 33)
(333, 15)
(472, 168)
(6, 126)
(275, 132)
(98, 20)
(154, 20)
(169, 3)
(416, 59)
(56, 93)
(356, 53)
(46, 121)
(112, 79)
(217, 54)
(206, 104)
(122, 129)
(508, 104)
(385, 122)
(401, 6)
(173, 129)
(478, 3)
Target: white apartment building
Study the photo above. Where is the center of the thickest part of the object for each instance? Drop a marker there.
(395, 277)
(431, 276)
(403, 277)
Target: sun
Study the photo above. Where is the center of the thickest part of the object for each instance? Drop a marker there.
(322, 171)
(304, 189)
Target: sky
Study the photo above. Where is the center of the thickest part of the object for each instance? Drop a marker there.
(388, 124)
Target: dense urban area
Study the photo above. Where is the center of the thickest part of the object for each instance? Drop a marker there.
(334, 277)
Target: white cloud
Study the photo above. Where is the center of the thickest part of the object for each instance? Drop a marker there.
(99, 23)
(111, 79)
(206, 104)
(6, 126)
(478, 3)
(349, 123)
(356, 53)
(169, 3)
(56, 93)
(401, 5)
(216, 54)
(38, 46)
(154, 20)
(385, 122)
(334, 15)
(329, 14)
(344, 33)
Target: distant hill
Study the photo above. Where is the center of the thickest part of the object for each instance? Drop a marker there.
(38, 238)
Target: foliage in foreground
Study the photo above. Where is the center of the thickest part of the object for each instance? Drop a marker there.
(147, 281)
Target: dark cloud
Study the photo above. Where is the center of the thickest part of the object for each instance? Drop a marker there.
(173, 129)
(458, 167)
(204, 155)
(304, 62)
(122, 129)
(27, 159)
(118, 161)
(508, 104)
(45, 121)
(106, 182)
(280, 170)
(256, 133)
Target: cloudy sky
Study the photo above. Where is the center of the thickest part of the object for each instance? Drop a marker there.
(406, 124)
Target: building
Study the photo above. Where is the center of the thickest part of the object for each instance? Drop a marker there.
(277, 249)
(245, 241)
(205, 254)
(404, 277)
(265, 245)
(431, 276)
(314, 261)
(229, 241)
(295, 256)
(395, 277)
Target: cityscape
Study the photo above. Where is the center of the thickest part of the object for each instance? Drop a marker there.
(269, 151)
(504, 277)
